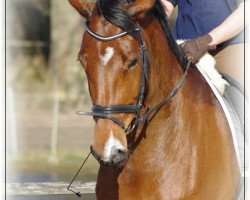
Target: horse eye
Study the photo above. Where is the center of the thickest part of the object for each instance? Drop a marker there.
(128, 1)
(132, 63)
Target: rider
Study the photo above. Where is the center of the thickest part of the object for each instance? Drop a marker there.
(211, 24)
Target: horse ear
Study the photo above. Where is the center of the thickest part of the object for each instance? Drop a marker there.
(139, 8)
(83, 7)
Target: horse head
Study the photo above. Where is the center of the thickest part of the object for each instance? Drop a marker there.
(114, 73)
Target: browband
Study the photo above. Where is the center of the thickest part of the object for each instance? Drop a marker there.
(108, 38)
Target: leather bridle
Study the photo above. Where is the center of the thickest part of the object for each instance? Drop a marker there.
(106, 112)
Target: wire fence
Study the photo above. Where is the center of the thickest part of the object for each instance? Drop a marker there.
(28, 29)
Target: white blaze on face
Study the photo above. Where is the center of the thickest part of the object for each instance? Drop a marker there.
(108, 55)
(111, 145)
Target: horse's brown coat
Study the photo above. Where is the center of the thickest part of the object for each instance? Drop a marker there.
(186, 152)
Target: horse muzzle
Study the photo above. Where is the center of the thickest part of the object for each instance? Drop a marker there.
(118, 158)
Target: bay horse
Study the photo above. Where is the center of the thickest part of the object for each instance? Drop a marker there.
(160, 132)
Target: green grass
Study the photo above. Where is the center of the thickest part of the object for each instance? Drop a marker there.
(38, 162)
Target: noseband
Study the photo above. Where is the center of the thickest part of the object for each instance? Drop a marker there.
(107, 112)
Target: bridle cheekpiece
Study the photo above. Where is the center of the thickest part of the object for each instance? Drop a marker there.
(106, 112)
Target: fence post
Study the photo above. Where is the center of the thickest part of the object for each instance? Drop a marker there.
(12, 120)
(55, 118)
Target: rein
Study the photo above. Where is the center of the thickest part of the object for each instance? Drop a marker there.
(106, 112)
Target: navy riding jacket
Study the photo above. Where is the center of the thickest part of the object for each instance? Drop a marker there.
(198, 17)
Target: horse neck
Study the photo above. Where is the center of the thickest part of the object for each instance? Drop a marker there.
(165, 70)
(169, 126)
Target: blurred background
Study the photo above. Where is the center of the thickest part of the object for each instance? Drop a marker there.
(46, 140)
(46, 85)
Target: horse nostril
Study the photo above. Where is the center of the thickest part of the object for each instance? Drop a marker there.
(120, 151)
(119, 155)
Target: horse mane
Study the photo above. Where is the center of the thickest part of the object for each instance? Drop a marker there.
(177, 50)
(113, 11)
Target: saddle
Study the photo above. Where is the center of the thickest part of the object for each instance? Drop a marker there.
(234, 99)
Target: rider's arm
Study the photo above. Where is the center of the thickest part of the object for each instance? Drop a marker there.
(168, 6)
(230, 27)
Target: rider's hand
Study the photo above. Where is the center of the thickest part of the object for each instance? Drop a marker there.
(196, 48)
